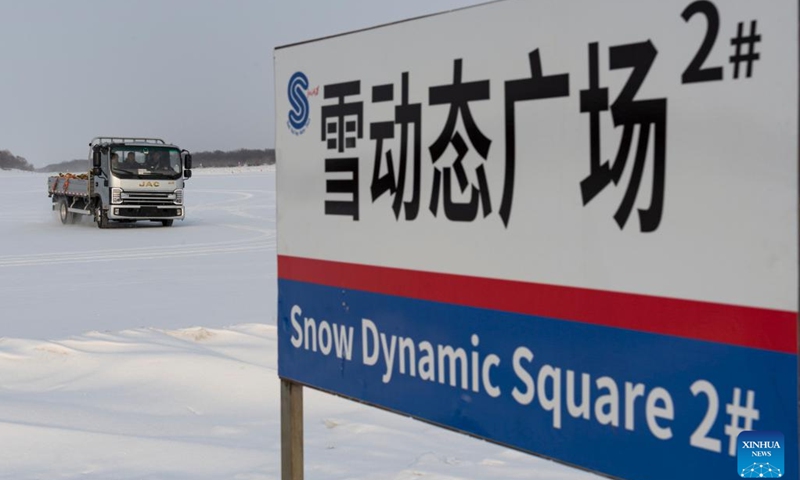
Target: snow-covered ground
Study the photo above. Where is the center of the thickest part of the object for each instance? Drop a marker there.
(150, 353)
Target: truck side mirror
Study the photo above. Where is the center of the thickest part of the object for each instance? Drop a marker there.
(187, 174)
(96, 161)
(187, 161)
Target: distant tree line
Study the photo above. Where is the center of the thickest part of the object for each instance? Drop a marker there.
(217, 158)
(80, 165)
(237, 158)
(8, 161)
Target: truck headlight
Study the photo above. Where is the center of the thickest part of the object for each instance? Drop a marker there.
(179, 196)
(116, 196)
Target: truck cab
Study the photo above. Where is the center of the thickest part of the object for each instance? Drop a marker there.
(139, 179)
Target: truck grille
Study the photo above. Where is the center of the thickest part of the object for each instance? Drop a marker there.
(148, 212)
(148, 198)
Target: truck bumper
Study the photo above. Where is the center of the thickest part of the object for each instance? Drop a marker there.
(146, 212)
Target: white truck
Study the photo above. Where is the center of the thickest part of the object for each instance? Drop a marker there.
(131, 179)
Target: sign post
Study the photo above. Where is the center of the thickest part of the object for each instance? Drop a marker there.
(291, 430)
(570, 228)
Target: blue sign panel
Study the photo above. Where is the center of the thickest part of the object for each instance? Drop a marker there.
(587, 394)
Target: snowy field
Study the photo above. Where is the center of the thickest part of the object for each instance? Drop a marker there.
(150, 353)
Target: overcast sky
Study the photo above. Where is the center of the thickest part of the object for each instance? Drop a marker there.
(197, 73)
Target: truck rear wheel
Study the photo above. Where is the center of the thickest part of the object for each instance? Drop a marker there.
(64, 214)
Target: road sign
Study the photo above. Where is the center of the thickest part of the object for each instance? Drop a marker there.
(566, 227)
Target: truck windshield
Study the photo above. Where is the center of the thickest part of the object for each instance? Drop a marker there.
(146, 162)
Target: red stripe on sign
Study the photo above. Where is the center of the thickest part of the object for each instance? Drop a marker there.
(761, 328)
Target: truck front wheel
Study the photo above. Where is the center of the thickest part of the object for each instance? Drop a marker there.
(101, 217)
(167, 223)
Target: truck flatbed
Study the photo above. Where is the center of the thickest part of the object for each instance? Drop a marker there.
(69, 184)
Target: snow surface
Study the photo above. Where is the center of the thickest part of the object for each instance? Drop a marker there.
(150, 353)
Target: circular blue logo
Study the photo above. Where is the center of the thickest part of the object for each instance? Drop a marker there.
(298, 115)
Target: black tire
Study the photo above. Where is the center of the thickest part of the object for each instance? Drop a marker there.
(167, 223)
(64, 214)
(102, 217)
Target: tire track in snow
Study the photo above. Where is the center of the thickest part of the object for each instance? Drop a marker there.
(263, 242)
(100, 257)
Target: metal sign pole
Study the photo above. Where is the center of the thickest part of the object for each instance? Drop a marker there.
(291, 430)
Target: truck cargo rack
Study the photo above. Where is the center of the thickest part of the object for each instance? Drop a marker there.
(101, 140)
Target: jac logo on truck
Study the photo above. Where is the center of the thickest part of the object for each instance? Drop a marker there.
(299, 92)
(149, 184)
